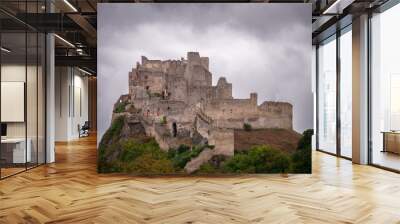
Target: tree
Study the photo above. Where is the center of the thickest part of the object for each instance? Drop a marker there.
(302, 158)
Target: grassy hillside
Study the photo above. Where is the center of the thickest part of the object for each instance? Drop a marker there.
(283, 139)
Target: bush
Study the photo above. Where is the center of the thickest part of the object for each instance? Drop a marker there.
(239, 163)
(247, 127)
(164, 120)
(259, 159)
(139, 156)
(132, 149)
(109, 144)
(305, 140)
(183, 148)
(183, 154)
(149, 163)
(120, 107)
(144, 157)
(206, 168)
(302, 158)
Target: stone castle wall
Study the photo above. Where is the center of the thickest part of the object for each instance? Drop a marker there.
(175, 88)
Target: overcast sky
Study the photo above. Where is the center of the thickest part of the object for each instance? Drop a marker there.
(263, 48)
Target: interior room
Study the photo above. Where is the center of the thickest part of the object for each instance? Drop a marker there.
(385, 90)
(49, 150)
(72, 103)
(22, 102)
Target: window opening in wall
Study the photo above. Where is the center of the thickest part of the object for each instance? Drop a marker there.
(174, 129)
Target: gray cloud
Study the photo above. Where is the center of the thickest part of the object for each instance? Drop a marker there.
(264, 48)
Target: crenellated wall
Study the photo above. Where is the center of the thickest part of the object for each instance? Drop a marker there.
(173, 88)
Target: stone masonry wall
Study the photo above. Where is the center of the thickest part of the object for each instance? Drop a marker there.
(171, 88)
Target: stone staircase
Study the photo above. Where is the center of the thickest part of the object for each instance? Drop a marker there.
(202, 115)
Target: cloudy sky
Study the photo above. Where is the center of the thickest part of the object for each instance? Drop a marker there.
(263, 48)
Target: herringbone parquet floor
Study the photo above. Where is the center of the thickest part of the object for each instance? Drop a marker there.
(70, 191)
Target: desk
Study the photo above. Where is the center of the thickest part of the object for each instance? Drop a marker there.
(13, 150)
(391, 141)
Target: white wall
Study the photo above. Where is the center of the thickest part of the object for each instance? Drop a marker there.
(12, 73)
(34, 125)
(71, 94)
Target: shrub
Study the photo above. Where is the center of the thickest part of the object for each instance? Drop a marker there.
(305, 140)
(134, 155)
(183, 148)
(247, 127)
(109, 144)
(164, 120)
(120, 107)
(206, 168)
(239, 163)
(183, 154)
(302, 159)
(259, 159)
(144, 157)
(269, 160)
(149, 163)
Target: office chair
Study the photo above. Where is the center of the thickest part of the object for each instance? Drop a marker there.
(84, 130)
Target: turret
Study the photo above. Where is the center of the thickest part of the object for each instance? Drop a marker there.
(253, 98)
(205, 62)
(144, 60)
(193, 57)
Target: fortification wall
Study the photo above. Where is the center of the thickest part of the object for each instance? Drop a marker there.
(174, 68)
(153, 65)
(223, 89)
(276, 107)
(205, 62)
(235, 113)
(177, 88)
(230, 108)
(200, 94)
(223, 140)
(182, 84)
(282, 111)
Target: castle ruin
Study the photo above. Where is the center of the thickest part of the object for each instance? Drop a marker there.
(177, 103)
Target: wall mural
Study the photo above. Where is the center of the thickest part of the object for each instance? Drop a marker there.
(174, 120)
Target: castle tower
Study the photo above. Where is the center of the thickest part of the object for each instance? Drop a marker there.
(193, 58)
(253, 98)
(223, 89)
(196, 72)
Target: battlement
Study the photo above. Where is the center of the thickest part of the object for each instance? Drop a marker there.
(193, 57)
(277, 107)
(190, 83)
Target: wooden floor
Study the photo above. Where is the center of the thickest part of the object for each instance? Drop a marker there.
(70, 191)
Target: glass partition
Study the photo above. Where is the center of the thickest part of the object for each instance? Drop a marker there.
(385, 89)
(41, 96)
(346, 93)
(22, 77)
(32, 95)
(327, 95)
(13, 95)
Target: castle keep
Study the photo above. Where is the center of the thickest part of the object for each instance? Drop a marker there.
(177, 104)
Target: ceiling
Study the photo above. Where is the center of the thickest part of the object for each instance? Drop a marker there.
(75, 21)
